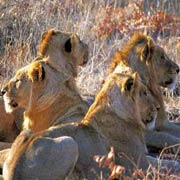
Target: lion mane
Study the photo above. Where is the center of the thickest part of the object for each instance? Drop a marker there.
(141, 54)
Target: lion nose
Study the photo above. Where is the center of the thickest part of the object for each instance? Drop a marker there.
(158, 107)
(177, 70)
(3, 91)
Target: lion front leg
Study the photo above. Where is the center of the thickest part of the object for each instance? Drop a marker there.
(177, 123)
(163, 165)
(171, 128)
(158, 140)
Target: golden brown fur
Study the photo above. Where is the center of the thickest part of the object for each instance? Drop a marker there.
(43, 46)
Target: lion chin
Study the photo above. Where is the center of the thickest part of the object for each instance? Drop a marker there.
(151, 125)
(10, 104)
(171, 84)
(150, 122)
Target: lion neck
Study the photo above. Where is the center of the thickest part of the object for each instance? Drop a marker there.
(122, 135)
(42, 115)
(57, 60)
(115, 128)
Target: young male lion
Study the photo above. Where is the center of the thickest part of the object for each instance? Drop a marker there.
(156, 69)
(113, 120)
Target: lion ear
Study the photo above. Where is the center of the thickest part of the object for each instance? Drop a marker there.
(68, 46)
(36, 72)
(132, 83)
(71, 43)
(47, 33)
(147, 50)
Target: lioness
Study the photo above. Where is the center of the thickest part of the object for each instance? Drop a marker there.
(112, 120)
(156, 69)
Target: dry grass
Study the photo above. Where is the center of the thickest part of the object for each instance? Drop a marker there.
(23, 22)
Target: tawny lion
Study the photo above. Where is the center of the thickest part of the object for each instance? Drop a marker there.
(156, 69)
(114, 119)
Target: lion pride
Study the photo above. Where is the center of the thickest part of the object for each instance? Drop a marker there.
(112, 120)
(156, 69)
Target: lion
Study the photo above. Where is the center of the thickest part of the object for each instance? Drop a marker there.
(112, 120)
(156, 69)
(67, 53)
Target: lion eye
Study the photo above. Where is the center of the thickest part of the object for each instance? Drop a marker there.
(162, 56)
(18, 83)
(145, 93)
(68, 46)
(17, 80)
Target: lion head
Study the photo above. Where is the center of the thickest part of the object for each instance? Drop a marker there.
(148, 104)
(149, 59)
(63, 51)
(17, 92)
(142, 55)
(43, 92)
(129, 97)
(166, 70)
